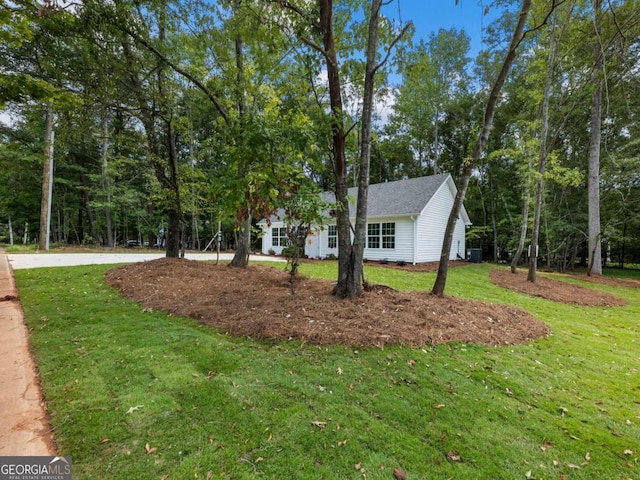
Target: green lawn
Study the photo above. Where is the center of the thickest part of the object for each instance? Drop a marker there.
(135, 394)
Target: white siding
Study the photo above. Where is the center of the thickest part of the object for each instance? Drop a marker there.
(432, 223)
(267, 239)
(404, 241)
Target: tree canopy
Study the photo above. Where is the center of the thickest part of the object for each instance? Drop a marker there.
(173, 117)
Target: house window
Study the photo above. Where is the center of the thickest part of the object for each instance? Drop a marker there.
(389, 235)
(279, 237)
(332, 235)
(373, 235)
(381, 235)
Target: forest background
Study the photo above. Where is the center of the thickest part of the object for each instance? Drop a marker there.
(166, 122)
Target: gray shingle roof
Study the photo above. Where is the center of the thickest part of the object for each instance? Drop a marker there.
(401, 197)
(397, 198)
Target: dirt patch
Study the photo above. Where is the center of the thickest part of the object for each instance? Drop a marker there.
(256, 302)
(558, 290)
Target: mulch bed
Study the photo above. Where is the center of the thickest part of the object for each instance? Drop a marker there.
(560, 291)
(256, 302)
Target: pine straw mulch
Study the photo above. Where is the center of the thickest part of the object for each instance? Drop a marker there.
(256, 302)
(560, 291)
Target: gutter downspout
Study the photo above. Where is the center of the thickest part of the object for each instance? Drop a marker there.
(415, 239)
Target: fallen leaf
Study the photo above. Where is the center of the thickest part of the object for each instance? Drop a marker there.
(133, 409)
(439, 406)
(342, 443)
(411, 363)
(319, 424)
(259, 459)
(149, 450)
(399, 474)
(628, 452)
(546, 446)
(339, 371)
(358, 466)
(453, 455)
(571, 465)
(209, 475)
(587, 457)
(528, 475)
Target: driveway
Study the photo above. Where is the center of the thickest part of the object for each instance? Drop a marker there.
(37, 260)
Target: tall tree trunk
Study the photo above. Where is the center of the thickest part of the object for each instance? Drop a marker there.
(243, 245)
(169, 179)
(525, 220)
(174, 210)
(10, 232)
(595, 244)
(85, 201)
(350, 285)
(542, 159)
(106, 183)
(343, 224)
(47, 182)
(478, 149)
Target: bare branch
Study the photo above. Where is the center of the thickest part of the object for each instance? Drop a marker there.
(393, 44)
(216, 102)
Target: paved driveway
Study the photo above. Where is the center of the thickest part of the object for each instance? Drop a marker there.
(37, 260)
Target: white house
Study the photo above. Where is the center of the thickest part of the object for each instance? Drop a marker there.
(406, 221)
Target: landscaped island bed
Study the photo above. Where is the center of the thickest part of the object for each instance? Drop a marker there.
(257, 302)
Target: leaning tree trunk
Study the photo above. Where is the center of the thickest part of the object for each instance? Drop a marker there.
(478, 149)
(595, 246)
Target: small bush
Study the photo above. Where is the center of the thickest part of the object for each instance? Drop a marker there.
(290, 252)
(271, 252)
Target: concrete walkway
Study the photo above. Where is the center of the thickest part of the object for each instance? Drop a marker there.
(24, 427)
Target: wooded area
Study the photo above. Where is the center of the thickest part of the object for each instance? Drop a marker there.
(165, 119)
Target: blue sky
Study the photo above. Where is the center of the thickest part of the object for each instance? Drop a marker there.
(430, 15)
